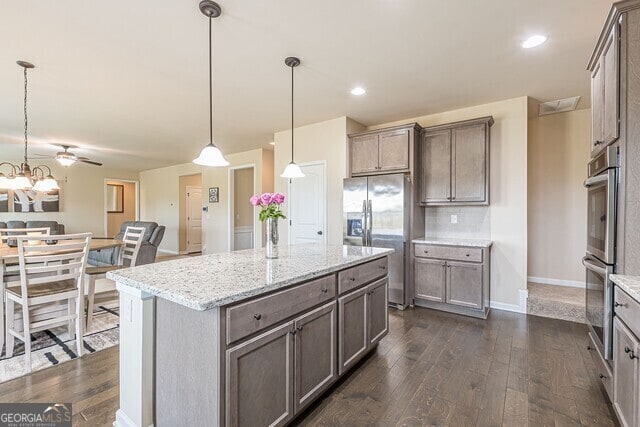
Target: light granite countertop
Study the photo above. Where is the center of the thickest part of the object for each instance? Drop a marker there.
(629, 284)
(208, 281)
(452, 241)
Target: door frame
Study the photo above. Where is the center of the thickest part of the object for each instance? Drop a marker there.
(136, 185)
(322, 163)
(186, 207)
(231, 201)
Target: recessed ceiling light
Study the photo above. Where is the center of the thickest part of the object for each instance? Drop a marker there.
(358, 91)
(534, 41)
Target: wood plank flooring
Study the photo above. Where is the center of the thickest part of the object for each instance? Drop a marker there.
(432, 369)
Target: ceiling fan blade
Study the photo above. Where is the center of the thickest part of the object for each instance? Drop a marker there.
(85, 160)
(41, 156)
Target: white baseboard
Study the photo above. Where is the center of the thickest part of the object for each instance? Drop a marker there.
(521, 307)
(556, 282)
(168, 251)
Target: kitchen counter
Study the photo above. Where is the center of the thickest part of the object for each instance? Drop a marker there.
(629, 284)
(208, 281)
(452, 241)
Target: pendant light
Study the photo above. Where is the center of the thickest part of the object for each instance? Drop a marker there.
(23, 177)
(292, 170)
(210, 154)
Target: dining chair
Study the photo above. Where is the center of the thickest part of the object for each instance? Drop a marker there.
(9, 234)
(128, 254)
(48, 275)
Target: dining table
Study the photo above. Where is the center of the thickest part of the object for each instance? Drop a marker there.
(9, 255)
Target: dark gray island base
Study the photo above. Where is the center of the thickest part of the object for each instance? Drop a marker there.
(262, 358)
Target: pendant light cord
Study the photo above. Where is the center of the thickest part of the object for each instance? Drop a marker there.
(292, 114)
(26, 122)
(210, 88)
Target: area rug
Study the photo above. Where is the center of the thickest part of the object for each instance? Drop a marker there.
(53, 346)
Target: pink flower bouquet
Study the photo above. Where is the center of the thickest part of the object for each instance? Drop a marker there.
(270, 204)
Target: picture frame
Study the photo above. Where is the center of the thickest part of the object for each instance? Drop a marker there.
(115, 198)
(214, 194)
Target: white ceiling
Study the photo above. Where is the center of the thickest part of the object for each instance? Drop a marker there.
(126, 81)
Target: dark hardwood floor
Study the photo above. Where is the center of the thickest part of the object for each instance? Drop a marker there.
(432, 369)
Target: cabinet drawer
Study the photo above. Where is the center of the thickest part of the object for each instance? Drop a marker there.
(602, 369)
(250, 317)
(354, 277)
(454, 253)
(627, 309)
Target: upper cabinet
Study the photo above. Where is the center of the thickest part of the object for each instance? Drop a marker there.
(605, 98)
(454, 167)
(382, 151)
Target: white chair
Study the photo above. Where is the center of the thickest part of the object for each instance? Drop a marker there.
(132, 240)
(47, 275)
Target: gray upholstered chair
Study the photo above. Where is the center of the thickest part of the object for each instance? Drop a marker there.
(54, 226)
(147, 254)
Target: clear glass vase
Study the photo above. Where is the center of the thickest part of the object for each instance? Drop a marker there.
(271, 244)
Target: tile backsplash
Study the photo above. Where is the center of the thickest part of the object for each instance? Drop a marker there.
(473, 222)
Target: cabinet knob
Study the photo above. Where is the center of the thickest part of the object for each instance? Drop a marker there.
(382, 267)
(257, 316)
(426, 252)
(299, 328)
(325, 290)
(632, 356)
(601, 376)
(617, 304)
(627, 349)
(468, 255)
(353, 279)
(589, 348)
(598, 142)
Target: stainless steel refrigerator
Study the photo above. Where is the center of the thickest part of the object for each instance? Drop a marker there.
(376, 212)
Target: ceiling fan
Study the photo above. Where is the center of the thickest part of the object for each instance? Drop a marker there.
(67, 158)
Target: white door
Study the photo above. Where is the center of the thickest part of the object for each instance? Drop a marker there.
(307, 206)
(194, 219)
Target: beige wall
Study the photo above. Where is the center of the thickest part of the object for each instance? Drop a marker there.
(194, 180)
(558, 155)
(129, 208)
(508, 191)
(82, 197)
(325, 141)
(159, 199)
(242, 190)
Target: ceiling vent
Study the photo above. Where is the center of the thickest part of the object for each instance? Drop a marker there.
(558, 106)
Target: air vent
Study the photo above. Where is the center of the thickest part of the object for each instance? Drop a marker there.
(558, 106)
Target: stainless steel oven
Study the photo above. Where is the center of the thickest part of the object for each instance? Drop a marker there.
(599, 303)
(602, 185)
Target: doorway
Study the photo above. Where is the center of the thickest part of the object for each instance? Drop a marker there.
(120, 204)
(308, 205)
(242, 215)
(190, 214)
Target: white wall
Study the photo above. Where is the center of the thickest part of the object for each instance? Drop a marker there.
(82, 206)
(320, 141)
(159, 199)
(508, 191)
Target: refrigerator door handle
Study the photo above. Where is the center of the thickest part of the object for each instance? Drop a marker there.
(364, 223)
(370, 224)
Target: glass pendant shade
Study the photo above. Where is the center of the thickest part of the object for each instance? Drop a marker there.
(211, 156)
(5, 183)
(21, 182)
(292, 171)
(51, 183)
(41, 185)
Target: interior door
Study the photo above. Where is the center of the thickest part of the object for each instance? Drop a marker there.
(307, 206)
(194, 219)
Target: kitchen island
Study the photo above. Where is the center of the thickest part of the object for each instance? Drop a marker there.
(236, 339)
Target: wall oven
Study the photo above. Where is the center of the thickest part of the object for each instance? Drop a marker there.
(602, 190)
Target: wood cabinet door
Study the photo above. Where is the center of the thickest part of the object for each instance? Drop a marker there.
(625, 373)
(597, 108)
(464, 284)
(315, 354)
(393, 151)
(435, 155)
(611, 104)
(377, 307)
(429, 278)
(352, 328)
(259, 379)
(364, 154)
(469, 163)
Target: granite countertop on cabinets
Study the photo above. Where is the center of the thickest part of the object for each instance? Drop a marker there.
(629, 284)
(208, 281)
(453, 241)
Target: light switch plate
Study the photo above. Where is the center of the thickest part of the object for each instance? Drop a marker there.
(454, 219)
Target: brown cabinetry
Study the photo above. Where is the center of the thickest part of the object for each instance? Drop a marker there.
(454, 167)
(382, 151)
(452, 278)
(626, 350)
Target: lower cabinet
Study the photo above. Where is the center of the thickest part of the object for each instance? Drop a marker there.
(626, 374)
(464, 284)
(363, 322)
(275, 375)
(430, 279)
